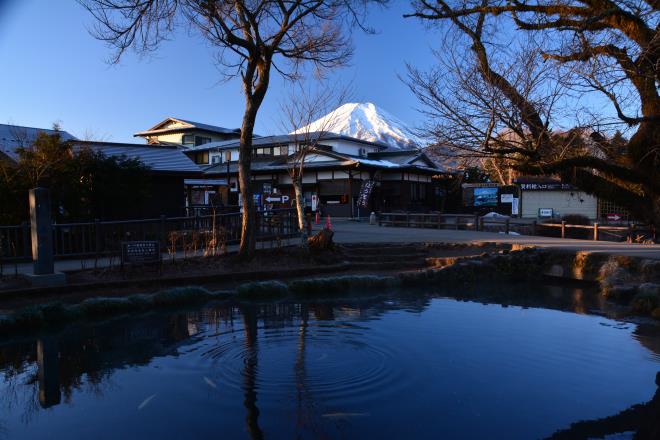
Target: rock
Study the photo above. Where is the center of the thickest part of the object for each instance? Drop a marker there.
(650, 289)
(622, 291)
(321, 241)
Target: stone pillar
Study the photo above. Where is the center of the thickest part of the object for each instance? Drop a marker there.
(41, 231)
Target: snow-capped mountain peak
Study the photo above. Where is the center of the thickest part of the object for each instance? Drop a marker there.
(364, 121)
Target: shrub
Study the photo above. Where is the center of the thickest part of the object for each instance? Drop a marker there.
(262, 289)
(180, 295)
(104, 306)
(645, 302)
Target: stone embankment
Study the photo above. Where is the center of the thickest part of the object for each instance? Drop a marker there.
(632, 281)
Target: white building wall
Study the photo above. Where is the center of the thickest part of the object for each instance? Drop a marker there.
(562, 202)
(346, 147)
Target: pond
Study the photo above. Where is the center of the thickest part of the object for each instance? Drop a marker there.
(400, 365)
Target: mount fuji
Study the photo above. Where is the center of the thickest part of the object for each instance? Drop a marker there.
(367, 122)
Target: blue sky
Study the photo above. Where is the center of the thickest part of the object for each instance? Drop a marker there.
(53, 70)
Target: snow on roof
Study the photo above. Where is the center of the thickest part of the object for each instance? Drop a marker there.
(15, 136)
(158, 158)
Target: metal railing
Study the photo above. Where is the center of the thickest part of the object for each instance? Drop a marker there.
(100, 238)
(596, 231)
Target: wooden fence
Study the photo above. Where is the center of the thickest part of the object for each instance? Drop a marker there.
(100, 238)
(507, 225)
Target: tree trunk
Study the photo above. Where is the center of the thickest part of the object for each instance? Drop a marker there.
(255, 83)
(297, 187)
(248, 239)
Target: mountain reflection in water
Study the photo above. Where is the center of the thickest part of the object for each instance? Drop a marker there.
(339, 368)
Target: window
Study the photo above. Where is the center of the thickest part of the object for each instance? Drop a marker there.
(188, 139)
(200, 140)
(282, 150)
(216, 158)
(227, 156)
(264, 151)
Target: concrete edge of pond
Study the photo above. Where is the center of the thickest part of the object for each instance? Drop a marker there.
(632, 281)
(162, 282)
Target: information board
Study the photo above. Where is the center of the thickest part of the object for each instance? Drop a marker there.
(140, 252)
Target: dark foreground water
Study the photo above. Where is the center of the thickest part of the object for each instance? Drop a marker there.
(401, 366)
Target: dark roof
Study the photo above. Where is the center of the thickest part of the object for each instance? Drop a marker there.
(158, 158)
(192, 125)
(338, 160)
(286, 139)
(15, 136)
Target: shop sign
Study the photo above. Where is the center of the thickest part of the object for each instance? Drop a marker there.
(506, 198)
(546, 187)
(365, 192)
(546, 212)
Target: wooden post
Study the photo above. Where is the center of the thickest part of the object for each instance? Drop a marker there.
(506, 226)
(407, 219)
(163, 238)
(534, 227)
(563, 229)
(26, 240)
(97, 235)
(476, 222)
(481, 223)
(596, 231)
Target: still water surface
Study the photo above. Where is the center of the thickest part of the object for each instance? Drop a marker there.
(400, 366)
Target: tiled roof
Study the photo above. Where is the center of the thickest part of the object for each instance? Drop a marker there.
(15, 136)
(285, 139)
(158, 158)
(191, 125)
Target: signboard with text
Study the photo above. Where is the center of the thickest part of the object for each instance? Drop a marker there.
(140, 252)
(365, 192)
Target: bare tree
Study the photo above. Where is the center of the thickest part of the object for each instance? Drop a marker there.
(611, 47)
(253, 37)
(308, 115)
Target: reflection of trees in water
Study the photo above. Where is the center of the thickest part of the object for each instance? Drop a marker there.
(87, 355)
(250, 322)
(642, 419)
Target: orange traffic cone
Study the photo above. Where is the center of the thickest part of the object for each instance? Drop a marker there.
(318, 218)
(328, 225)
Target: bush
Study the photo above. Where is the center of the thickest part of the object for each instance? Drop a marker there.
(645, 302)
(262, 289)
(102, 306)
(180, 295)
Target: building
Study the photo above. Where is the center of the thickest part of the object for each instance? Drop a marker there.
(186, 134)
(13, 137)
(544, 197)
(334, 174)
(169, 171)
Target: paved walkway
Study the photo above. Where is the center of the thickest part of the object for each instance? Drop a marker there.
(354, 232)
(347, 231)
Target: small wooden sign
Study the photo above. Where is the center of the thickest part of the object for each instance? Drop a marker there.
(140, 252)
